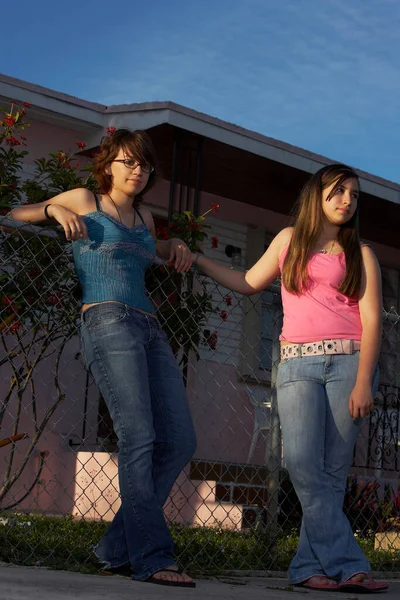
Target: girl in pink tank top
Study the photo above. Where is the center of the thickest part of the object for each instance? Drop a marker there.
(327, 377)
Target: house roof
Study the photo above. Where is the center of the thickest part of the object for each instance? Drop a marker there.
(148, 115)
(235, 163)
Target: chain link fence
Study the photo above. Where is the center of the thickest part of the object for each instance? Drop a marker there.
(234, 506)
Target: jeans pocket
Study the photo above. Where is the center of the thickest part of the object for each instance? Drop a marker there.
(104, 315)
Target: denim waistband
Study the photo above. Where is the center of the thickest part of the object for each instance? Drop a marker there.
(110, 304)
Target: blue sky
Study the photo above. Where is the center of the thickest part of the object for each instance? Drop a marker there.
(320, 74)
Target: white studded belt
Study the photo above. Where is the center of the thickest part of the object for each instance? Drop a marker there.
(319, 348)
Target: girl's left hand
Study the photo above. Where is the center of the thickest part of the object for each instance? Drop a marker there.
(180, 256)
(361, 401)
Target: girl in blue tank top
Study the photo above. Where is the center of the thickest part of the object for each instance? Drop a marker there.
(125, 349)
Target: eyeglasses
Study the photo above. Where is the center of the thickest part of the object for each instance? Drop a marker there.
(132, 164)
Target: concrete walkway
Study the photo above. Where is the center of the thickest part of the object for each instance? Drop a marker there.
(21, 583)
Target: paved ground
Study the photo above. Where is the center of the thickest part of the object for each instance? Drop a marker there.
(20, 583)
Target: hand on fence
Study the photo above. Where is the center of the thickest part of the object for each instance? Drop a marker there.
(180, 256)
(73, 224)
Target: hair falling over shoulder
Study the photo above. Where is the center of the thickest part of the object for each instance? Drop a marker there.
(308, 228)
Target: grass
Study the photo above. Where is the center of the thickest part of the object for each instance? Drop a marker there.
(65, 543)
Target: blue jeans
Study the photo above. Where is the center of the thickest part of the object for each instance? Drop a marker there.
(130, 359)
(319, 436)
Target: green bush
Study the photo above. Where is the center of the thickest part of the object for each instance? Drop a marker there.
(66, 543)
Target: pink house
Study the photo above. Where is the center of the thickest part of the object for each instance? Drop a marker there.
(255, 180)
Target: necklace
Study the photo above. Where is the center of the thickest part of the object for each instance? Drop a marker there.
(328, 249)
(116, 208)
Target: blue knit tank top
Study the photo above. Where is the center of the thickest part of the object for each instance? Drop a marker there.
(111, 265)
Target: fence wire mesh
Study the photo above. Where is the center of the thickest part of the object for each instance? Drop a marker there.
(234, 506)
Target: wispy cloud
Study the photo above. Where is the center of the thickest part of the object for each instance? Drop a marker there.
(321, 75)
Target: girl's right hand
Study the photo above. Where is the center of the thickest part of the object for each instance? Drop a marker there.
(73, 224)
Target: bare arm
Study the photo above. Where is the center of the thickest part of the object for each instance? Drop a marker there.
(370, 304)
(66, 209)
(174, 250)
(260, 276)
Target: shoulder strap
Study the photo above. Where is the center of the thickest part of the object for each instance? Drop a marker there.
(98, 207)
(137, 212)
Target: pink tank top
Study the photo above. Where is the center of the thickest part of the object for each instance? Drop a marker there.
(321, 312)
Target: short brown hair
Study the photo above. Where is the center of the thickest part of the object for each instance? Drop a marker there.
(137, 145)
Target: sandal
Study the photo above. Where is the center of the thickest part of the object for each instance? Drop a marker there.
(156, 580)
(368, 586)
(321, 582)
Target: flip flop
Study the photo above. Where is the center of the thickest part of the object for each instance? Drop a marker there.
(319, 586)
(186, 584)
(368, 586)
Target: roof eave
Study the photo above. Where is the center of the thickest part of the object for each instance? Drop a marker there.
(150, 114)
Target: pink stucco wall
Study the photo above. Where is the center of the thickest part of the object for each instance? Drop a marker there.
(43, 138)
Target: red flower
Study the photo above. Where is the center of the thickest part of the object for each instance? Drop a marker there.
(223, 314)
(110, 130)
(23, 112)
(23, 137)
(228, 300)
(212, 340)
(12, 141)
(162, 233)
(9, 120)
(81, 145)
(26, 104)
(215, 207)
(55, 299)
(14, 327)
(214, 242)
(7, 300)
(77, 164)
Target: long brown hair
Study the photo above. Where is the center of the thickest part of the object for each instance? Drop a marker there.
(308, 228)
(137, 145)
